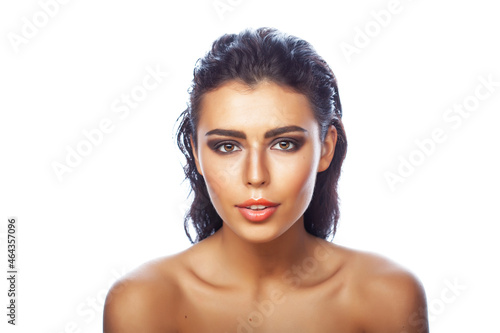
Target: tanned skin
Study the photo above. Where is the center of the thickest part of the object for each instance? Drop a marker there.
(269, 276)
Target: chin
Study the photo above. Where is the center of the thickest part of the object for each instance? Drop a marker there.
(258, 233)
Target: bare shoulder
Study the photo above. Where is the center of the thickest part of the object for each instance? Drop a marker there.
(145, 299)
(388, 298)
(149, 298)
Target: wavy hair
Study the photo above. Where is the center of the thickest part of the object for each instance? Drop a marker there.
(253, 56)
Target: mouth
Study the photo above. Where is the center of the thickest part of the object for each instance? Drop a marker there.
(256, 207)
(257, 210)
(257, 204)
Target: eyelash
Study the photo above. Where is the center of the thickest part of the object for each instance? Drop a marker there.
(295, 146)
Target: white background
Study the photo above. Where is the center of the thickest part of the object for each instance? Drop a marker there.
(123, 205)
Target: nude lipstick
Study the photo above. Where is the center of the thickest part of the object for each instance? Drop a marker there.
(257, 210)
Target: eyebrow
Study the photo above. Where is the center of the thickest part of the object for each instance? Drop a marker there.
(269, 134)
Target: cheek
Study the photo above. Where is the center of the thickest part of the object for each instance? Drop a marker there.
(297, 178)
(219, 174)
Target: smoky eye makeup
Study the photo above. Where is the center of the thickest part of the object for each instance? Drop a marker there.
(295, 142)
(283, 144)
(223, 146)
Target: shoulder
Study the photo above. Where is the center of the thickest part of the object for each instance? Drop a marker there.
(144, 300)
(387, 297)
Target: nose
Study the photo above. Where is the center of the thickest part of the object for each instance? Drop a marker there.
(257, 173)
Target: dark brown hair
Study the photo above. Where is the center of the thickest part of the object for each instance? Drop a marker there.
(253, 56)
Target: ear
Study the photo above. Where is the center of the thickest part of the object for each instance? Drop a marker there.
(195, 154)
(328, 149)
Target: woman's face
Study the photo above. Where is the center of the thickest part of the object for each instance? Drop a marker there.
(259, 151)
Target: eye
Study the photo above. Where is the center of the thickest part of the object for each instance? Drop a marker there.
(227, 147)
(285, 145)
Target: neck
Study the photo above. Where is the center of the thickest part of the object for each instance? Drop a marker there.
(254, 262)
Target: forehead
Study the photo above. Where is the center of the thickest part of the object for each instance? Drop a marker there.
(235, 105)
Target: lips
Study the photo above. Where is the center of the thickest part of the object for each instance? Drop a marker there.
(257, 210)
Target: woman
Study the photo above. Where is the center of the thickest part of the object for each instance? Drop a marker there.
(264, 144)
